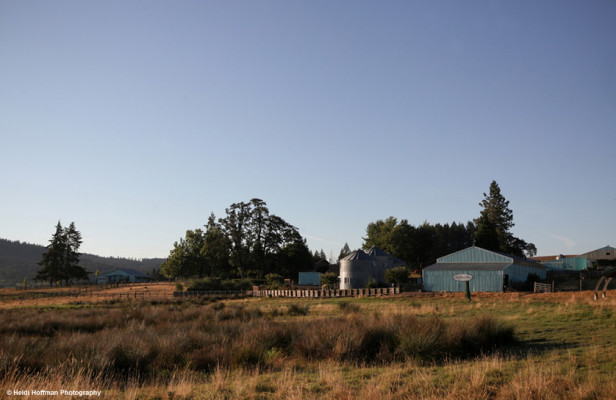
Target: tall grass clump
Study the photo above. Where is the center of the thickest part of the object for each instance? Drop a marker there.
(347, 307)
(296, 309)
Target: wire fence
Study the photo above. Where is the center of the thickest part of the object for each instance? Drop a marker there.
(89, 291)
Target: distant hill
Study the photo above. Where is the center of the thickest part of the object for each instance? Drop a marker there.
(20, 260)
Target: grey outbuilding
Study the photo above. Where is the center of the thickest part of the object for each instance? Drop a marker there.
(359, 267)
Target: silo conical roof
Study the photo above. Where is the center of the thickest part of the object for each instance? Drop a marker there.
(376, 252)
(358, 255)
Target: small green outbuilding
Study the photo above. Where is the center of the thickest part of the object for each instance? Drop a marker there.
(491, 271)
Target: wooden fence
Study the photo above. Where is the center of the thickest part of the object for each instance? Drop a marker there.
(543, 287)
(293, 293)
(327, 293)
(214, 293)
(82, 295)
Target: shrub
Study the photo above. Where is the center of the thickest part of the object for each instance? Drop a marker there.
(215, 283)
(130, 359)
(421, 340)
(274, 281)
(207, 359)
(204, 284)
(378, 344)
(329, 279)
(371, 284)
(397, 275)
(243, 284)
(347, 307)
(296, 309)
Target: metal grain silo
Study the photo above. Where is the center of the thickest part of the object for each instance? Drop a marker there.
(357, 269)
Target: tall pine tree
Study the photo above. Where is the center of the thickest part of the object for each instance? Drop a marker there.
(494, 226)
(53, 258)
(72, 270)
(61, 260)
(345, 251)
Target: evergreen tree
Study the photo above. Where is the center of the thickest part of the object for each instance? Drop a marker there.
(71, 268)
(345, 251)
(61, 260)
(486, 235)
(53, 258)
(495, 220)
(494, 226)
(319, 255)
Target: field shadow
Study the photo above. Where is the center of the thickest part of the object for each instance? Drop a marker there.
(538, 346)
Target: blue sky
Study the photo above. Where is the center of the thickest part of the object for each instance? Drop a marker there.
(136, 119)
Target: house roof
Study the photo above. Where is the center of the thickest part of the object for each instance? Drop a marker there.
(468, 266)
(377, 252)
(477, 258)
(476, 254)
(335, 268)
(553, 258)
(126, 271)
(609, 249)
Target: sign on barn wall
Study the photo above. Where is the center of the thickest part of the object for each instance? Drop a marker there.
(463, 277)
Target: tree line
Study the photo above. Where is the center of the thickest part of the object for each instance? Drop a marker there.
(420, 246)
(248, 242)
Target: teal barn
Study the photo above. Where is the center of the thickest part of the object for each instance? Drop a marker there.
(567, 263)
(491, 271)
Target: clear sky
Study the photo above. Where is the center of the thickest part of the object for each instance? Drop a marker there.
(136, 119)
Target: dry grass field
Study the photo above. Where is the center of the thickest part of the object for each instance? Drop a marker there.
(11, 298)
(412, 346)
